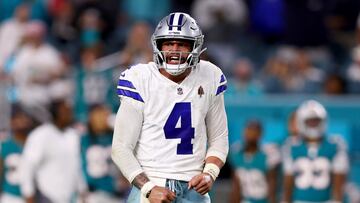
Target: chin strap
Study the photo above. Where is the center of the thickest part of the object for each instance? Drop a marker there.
(175, 67)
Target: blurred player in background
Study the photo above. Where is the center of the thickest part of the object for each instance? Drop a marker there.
(254, 178)
(10, 154)
(292, 127)
(292, 130)
(104, 181)
(50, 170)
(171, 137)
(315, 166)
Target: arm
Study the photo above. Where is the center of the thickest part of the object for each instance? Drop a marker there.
(32, 156)
(82, 187)
(218, 147)
(217, 131)
(236, 195)
(30, 199)
(271, 179)
(128, 125)
(338, 187)
(340, 166)
(288, 186)
(273, 159)
(288, 170)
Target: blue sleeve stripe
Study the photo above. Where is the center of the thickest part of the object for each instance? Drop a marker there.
(222, 79)
(126, 83)
(131, 94)
(221, 88)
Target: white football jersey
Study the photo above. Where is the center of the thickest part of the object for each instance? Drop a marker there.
(173, 139)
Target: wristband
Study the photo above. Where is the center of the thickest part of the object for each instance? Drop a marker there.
(146, 189)
(212, 169)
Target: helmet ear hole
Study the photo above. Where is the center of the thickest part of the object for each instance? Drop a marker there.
(159, 43)
(160, 60)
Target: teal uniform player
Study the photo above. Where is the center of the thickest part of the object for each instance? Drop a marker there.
(96, 162)
(252, 172)
(254, 168)
(103, 179)
(94, 87)
(315, 164)
(312, 168)
(10, 156)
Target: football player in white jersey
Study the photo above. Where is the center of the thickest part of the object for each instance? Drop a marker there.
(171, 138)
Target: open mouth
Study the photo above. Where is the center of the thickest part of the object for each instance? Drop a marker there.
(175, 59)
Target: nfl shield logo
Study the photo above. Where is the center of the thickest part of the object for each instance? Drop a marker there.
(179, 91)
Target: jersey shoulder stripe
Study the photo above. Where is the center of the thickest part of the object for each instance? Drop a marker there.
(123, 89)
(212, 72)
(126, 83)
(223, 85)
(130, 83)
(222, 78)
(131, 94)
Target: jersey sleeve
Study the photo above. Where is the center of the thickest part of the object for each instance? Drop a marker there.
(217, 131)
(273, 155)
(340, 162)
(216, 119)
(287, 159)
(32, 156)
(130, 85)
(221, 83)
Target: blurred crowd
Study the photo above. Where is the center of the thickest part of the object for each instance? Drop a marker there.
(56, 48)
(76, 49)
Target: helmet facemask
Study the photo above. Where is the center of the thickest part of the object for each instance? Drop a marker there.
(181, 66)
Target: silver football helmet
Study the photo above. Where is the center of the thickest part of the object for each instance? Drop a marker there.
(177, 26)
(308, 110)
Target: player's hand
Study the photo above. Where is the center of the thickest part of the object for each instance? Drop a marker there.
(161, 195)
(201, 183)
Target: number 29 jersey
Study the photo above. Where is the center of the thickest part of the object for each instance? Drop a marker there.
(174, 135)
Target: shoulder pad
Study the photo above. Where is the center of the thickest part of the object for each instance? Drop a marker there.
(129, 84)
(218, 77)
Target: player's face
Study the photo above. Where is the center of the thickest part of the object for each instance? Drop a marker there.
(252, 135)
(21, 123)
(65, 113)
(98, 120)
(313, 122)
(176, 51)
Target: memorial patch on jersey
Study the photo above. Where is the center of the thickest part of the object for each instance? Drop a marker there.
(126, 88)
(223, 85)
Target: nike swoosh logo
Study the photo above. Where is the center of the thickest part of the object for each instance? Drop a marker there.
(122, 74)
